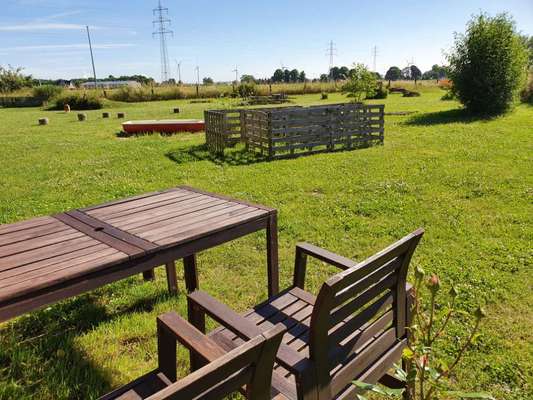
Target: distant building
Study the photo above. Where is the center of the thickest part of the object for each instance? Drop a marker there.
(110, 84)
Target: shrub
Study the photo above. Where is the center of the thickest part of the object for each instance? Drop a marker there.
(488, 64)
(12, 79)
(323, 96)
(411, 93)
(527, 94)
(84, 101)
(47, 92)
(361, 84)
(246, 89)
(430, 374)
(381, 93)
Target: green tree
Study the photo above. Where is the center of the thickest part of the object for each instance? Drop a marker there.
(208, 81)
(302, 77)
(12, 79)
(361, 83)
(488, 64)
(248, 79)
(286, 76)
(324, 77)
(393, 74)
(278, 76)
(416, 74)
(294, 75)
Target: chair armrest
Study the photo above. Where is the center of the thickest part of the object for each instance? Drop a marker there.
(305, 249)
(171, 328)
(244, 328)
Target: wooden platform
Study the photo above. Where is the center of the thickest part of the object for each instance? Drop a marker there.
(47, 259)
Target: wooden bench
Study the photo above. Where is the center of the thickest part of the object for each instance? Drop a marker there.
(249, 365)
(355, 328)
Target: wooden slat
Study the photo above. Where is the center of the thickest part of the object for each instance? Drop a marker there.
(52, 261)
(216, 225)
(133, 202)
(132, 212)
(358, 302)
(363, 360)
(18, 226)
(159, 228)
(56, 277)
(47, 252)
(105, 233)
(38, 242)
(161, 213)
(30, 233)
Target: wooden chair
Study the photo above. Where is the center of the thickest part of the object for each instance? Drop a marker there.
(355, 328)
(247, 367)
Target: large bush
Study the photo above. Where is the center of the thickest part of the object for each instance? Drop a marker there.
(12, 79)
(46, 92)
(361, 83)
(488, 64)
(84, 101)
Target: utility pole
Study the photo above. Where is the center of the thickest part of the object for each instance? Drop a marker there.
(161, 24)
(178, 66)
(92, 58)
(197, 81)
(331, 52)
(374, 57)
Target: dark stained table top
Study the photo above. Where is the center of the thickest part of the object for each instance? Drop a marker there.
(45, 251)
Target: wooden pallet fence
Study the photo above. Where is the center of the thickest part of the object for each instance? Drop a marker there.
(222, 129)
(278, 133)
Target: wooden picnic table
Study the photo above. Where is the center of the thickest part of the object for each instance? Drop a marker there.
(47, 259)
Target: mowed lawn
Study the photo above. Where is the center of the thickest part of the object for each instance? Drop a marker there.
(467, 181)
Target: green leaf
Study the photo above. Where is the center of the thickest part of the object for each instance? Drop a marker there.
(378, 389)
(470, 395)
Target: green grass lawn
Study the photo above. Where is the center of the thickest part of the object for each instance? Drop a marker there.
(468, 182)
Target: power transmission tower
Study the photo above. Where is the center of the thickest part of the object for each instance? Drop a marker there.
(161, 24)
(331, 52)
(236, 70)
(374, 57)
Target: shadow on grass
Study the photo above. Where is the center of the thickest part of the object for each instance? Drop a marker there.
(39, 355)
(235, 156)
(446, 117)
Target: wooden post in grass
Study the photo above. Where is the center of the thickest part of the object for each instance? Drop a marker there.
(105, 115)
(121, 115)
(176, 110)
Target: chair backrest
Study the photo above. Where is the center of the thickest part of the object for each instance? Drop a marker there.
(249, 365)
(360, 313)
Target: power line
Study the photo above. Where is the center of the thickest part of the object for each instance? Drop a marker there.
(161, 23)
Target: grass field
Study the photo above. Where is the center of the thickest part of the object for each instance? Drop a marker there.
(467, 181)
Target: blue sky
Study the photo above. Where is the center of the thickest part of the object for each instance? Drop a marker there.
(48, 38)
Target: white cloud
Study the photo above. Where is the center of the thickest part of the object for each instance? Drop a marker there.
(29, 27)
(74, 46)
(59, 15)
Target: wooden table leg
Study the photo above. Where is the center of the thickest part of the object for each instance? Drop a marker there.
(272, 255)
(195, 315)
(149, 275)
(172, 279)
